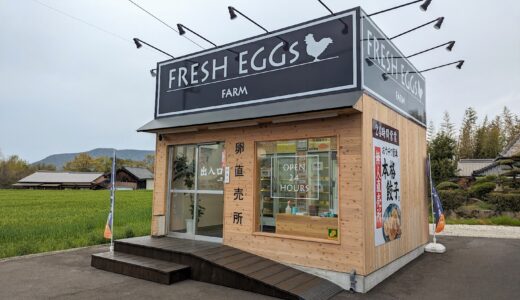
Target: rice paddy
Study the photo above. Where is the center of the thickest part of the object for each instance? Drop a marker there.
(34, 221)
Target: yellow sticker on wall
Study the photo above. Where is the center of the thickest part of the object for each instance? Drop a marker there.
(333, 234)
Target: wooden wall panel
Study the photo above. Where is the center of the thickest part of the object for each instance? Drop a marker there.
(414, 205)
(160, 183)
(345, 255)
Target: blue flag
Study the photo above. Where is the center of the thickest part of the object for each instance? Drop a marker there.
(438, 212)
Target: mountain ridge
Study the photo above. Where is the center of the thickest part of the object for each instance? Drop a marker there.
(60, 159)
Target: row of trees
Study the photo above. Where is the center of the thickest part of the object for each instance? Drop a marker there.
(13, 168)
(474, 140)
(86, 163)
(487, 139)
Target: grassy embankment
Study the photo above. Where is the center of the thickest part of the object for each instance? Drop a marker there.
(33, 221)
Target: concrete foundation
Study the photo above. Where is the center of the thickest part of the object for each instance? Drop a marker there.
(364, 284)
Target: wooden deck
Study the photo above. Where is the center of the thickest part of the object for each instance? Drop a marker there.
(223, 265)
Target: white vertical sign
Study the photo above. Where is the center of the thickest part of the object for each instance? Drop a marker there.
(387, 183)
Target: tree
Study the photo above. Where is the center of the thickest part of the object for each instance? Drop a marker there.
(481, 139)
(13, 169)
(103, 164)
(81, 163)
(43, 167)
(442, 150)
(447, 128)
(511, 125)
(149, 161)
(513, 168)
(494, 142)
(430, 132)
(466, 144)
(517, 124)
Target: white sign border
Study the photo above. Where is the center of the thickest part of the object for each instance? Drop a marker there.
(352, 13)
(379, 97)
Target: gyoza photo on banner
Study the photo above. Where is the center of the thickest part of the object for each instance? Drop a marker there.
(387, 183)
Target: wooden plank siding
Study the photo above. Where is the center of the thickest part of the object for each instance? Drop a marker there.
(355, 246)
(414, 204)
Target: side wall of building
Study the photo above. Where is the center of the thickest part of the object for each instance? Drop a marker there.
(414, 203)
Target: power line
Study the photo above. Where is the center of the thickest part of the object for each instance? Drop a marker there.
(164, 23)
(86, 23)
(83, 21)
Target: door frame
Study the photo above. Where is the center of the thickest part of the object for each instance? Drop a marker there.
(195, 192)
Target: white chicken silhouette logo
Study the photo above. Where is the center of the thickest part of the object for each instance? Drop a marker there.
(315, 48)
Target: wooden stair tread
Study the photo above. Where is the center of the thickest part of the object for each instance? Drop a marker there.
(150, 263)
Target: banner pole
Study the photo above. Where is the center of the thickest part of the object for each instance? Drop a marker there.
(112, 200)
(431, 196)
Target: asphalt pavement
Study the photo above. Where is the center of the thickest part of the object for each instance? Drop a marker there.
(472, 268)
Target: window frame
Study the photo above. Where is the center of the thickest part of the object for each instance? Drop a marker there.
(256, 185)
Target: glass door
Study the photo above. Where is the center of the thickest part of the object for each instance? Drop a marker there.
(196, 199)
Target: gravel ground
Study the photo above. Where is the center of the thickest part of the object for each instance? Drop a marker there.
(489, 231)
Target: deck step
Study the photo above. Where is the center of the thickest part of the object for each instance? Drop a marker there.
(227, 266)
(159, 271)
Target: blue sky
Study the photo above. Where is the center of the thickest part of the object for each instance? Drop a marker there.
(66, 86)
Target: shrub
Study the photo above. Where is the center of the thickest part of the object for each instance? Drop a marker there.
(447, 185)
(505, 202)
(453, 199)
(129, 232)
(488, 178)
(479, 190)
(505, 221)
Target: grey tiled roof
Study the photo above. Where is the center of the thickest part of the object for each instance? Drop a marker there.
(140, 173)
(61, 177)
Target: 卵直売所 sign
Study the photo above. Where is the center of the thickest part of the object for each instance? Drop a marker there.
(389, 76)
(387, 183)
(314, 58)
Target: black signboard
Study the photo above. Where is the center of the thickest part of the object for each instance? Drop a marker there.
(388, 75)
(314, 58)
(385, 133)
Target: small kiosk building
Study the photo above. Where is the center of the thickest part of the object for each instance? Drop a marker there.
(305, 146)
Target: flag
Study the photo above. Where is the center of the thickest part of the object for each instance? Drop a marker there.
(438, 212)
(108, 227)
(110, 221)
(428, 167)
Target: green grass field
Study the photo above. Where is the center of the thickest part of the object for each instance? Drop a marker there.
(33, 221)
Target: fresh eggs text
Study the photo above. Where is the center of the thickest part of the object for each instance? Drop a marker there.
(247, 62)
(379, 51)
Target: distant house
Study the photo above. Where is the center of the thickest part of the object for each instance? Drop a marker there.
(61, 180)
(466, 167)
(513, 148)
(134, 178)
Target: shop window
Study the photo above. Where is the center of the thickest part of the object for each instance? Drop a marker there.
(297, 187)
